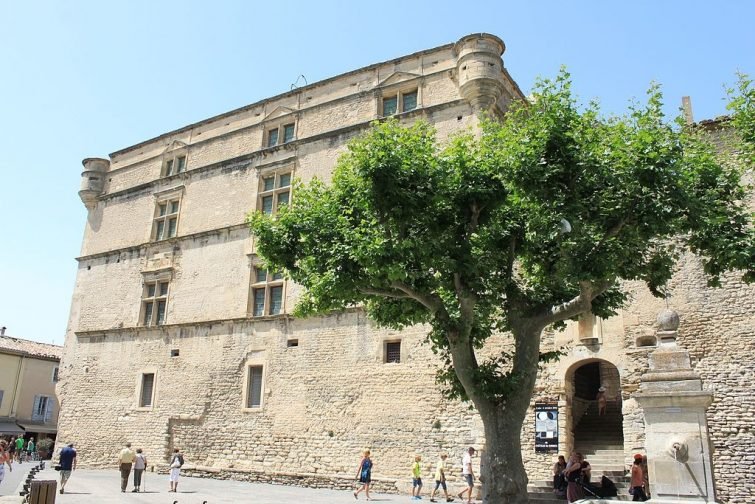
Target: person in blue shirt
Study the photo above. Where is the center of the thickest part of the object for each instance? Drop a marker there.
(67, 465)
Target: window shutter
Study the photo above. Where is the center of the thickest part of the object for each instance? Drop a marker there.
(48, 411)
(35, 408)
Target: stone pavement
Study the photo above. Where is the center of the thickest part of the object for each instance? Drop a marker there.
(88, 486)
(14, 478)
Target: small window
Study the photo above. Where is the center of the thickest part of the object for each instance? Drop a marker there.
(292, 343)
(399, 102)
(55, 372)
(2, 393)
(275, 191)
(393, 351)
(254, 387)
(174, 352)
(174, 165)
(272, 137)
(267, 292)
(147, 389)
(166, 219)
(154, 302)
(287, 132)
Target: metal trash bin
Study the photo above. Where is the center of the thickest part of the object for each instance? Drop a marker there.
(43, 492)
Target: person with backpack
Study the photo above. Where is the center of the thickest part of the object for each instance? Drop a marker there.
(176, 461)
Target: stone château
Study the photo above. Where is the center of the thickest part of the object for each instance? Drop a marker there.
(178, 336)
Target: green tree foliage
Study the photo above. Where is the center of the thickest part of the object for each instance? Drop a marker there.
(535, 221)
(742, 108)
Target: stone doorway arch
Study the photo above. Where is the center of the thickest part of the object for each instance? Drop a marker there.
(590, 433)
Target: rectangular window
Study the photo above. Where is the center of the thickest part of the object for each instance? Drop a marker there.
(272, 137)
(409, 101)
(399, 102)
(154, 302)
(42, 409)
(254, 387)
(267, 292)
(166, 219)
(275, 191)
(55, 374)
(288, 133)
(174, 164)
(2, 393)
(393, 351)
(390, 106)
(147, 389)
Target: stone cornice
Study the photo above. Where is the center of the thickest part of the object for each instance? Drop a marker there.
(284, 317)
(169, 241)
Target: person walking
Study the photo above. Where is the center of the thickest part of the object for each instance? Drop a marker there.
(176, 462)
(140, 464)
(440, 478)
(416, 478)
(602, 401)
(364, 475)
(125, 460)
(5, 458)
(30, 449)
(468, 473)
(67, 465)
(637, 481)
(20, 448)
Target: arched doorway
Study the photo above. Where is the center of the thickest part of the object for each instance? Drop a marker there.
(599, 437)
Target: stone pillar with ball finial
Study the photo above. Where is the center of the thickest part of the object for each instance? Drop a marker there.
(676, 428)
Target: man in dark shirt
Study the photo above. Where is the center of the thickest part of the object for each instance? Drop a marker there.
(67, 465)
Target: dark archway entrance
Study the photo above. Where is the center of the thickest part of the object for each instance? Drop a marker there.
(599, 437)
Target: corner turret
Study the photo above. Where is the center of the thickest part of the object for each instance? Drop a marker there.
(479, 68)
(92, 180)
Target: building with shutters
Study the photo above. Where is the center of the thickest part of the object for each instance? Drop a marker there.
(28, 376)
(179, 337)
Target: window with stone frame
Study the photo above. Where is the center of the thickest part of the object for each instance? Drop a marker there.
(147, 390)
(392, 351)
(174, 164)
(255, 377)
(165, 221)
(398, 102)
(267, 292)
(154, 302)
(274, 191)
(280, 134)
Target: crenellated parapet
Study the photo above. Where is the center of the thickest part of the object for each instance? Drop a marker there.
(479, 68)
(93, 180)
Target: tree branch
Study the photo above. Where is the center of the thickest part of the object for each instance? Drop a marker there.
(384, 293)
(579, 304)
(432, 303)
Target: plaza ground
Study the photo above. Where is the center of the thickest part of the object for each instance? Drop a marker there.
(88, 486)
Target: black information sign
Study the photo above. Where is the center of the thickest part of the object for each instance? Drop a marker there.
(546, 427)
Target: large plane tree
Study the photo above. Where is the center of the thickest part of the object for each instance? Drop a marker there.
(537, 220)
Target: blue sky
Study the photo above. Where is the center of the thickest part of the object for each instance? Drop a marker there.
(86, 78)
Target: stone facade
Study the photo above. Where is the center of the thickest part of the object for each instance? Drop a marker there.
(325, 390)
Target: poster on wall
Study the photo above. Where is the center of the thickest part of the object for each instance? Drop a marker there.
(546, 427)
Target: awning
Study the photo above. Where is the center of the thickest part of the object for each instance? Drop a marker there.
(10, 428)
(42, 429)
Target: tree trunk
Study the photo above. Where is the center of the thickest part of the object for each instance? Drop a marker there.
(504, 480)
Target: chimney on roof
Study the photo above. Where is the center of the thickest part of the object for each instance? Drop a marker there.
(2, 330)
(687, 109)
